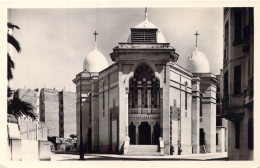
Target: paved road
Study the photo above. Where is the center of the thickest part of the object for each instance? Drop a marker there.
(105, 157)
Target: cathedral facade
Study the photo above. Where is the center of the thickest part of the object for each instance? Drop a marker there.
(145, 103)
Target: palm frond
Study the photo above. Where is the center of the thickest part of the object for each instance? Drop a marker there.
(14, 42)
(10, 25)
(9, 92)
(10, 67)
(18, 107)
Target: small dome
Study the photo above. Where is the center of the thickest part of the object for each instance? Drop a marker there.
(198, 62)
(95, 61)
(148, 25)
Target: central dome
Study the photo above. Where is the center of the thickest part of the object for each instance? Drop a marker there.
(198, 62)
(95, 61)
(148, 25)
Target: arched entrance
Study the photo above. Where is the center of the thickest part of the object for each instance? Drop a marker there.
(144, 133)
(144, 107)
(132, 134)
(156, 133)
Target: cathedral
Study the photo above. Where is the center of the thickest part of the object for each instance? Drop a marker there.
(145, 103)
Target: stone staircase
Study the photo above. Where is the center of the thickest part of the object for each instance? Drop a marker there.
(143, 150)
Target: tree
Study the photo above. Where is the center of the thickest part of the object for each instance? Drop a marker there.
(16, 106)
(11, 40)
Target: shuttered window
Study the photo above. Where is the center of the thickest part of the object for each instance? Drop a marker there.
(143, 35)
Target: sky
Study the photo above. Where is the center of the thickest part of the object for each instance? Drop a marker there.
(55, 42)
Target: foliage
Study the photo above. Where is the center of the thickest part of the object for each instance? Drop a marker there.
(18, 107)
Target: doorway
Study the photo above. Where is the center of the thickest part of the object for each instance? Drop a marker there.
(132, 134)
(144, 134)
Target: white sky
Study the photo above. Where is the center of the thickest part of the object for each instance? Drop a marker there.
(55, 41)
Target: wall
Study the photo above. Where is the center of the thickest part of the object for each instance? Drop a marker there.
(108, 85)
(178, 80)
(69, 111)
(49, 110)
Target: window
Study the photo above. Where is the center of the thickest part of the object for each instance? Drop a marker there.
(250, 133)
(217, 139)
(226, 84)
(200, 105)
(202, 137)
(143, 35)
(237, 79)
(237, 135)
(226, 40)
(238, 25)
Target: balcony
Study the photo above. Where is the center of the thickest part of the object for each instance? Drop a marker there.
(249, 97)
(232, 108)
(144, 111)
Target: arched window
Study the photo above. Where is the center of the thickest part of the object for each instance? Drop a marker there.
(144, 88)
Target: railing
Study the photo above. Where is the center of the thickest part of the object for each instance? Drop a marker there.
(144, 111)
(137, 45)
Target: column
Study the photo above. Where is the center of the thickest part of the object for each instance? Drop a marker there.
(195, 115)
(136, 133)
(139, 100)
(152, 135)
(149, 98)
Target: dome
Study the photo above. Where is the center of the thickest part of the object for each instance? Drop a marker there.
(198, 62)
(148, 25)
(95, 61)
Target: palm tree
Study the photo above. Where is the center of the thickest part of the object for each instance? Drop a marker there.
(11, 40)
(16, 106)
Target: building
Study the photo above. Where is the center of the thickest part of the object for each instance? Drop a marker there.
(238, 88)
(49, 110)
(145, 101)
(58, 112)
(28, 127)
(221, 123)
(67, 114)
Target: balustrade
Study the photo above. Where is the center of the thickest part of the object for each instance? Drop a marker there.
(144, 111)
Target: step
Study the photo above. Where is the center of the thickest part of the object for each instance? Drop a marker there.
(143, 150)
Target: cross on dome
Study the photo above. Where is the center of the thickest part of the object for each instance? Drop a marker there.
(145, 15)
(196, 34)
(95, 34)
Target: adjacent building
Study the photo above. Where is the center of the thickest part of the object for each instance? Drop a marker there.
(58, 112)
(28, 127)
(238, 76)
(145, 103)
